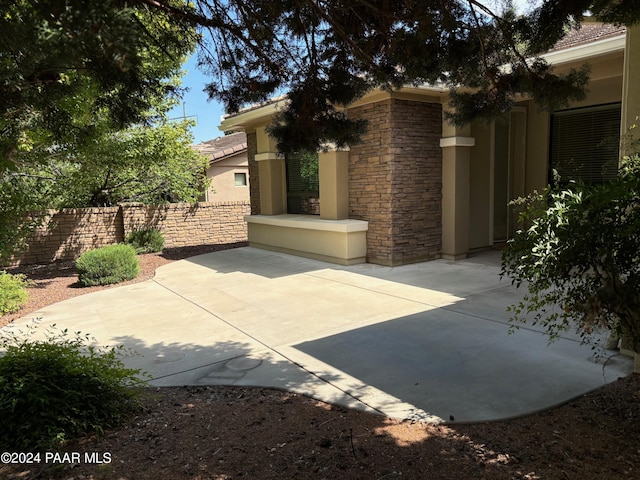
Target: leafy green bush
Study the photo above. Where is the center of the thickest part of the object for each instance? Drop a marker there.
(578, 254)
(13, 292)
(148, 240)
(106, 265)
(59, 388)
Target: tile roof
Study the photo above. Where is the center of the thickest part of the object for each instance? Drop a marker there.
(589, 32)
(223, 147)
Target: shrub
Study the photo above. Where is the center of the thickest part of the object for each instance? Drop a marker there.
(149, 240)
(107, 265)
(13, 292)
(578, 254)
(59, 388)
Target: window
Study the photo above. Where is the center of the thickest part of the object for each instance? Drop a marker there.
(303, 185)
(240, 179)
(585, 144)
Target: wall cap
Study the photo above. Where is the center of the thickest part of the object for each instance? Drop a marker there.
(309, 222)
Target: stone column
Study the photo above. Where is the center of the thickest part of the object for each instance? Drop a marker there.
(272, 172)
(456, 143)
(333, 170)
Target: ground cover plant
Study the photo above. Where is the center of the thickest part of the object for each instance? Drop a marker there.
(60, 387)
(107, 265)
(13, 292)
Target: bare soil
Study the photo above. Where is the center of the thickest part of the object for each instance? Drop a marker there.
(199, 433)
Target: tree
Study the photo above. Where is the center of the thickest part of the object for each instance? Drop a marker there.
(69, 66)
(147, 164)
(577, 251)
(72, 75)
(324, 54)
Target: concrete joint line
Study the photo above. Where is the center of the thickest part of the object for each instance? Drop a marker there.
(268, 347)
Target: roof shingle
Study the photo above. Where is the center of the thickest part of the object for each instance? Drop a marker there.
(588, 33)
(223, 147)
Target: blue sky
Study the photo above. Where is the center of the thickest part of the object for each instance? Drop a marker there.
(207, 113)
(196, 104)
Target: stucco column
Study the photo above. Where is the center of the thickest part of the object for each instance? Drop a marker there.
(630, 88)
(272, 172)
(333, 170)
(456, 152)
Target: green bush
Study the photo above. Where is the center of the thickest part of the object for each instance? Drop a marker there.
(13, 292)
(577, 252)
(59, 388)
(107, 265)
(149, 240)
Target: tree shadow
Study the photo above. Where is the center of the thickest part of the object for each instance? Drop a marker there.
(180, 253)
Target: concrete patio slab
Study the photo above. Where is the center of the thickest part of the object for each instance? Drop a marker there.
(426, 341)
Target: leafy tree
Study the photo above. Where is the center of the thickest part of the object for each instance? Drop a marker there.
(578, 254)
(69, 66)
(140, 164)
(74, 77)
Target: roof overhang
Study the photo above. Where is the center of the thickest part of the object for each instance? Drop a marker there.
(252, 116)
(586, 52)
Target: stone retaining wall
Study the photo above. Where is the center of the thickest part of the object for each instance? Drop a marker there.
(66, 234)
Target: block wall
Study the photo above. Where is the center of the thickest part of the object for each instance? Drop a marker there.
(66, 234)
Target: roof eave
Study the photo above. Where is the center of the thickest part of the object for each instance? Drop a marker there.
(586, 51)
(252, 116)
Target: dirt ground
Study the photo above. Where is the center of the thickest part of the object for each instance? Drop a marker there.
(199, 433)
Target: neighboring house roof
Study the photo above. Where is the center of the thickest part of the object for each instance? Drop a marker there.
(223, 147)
(588, 33)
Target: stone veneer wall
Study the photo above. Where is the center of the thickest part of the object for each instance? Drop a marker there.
(395, 180)
(185, 225)
(67, 233)
(254, 179)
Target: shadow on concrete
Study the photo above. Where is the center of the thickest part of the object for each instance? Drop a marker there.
(241, 364)
(483, 374)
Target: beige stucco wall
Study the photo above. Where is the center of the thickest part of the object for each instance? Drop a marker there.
(531, 172)
(222, 175)
(604, 89)
(631, 87)
(338, 241)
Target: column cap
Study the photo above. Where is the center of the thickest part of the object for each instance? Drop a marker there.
(260, 157)
(331, 147)
(457, 142)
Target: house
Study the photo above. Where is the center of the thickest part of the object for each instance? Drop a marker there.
(417, 188)
(228, 168)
